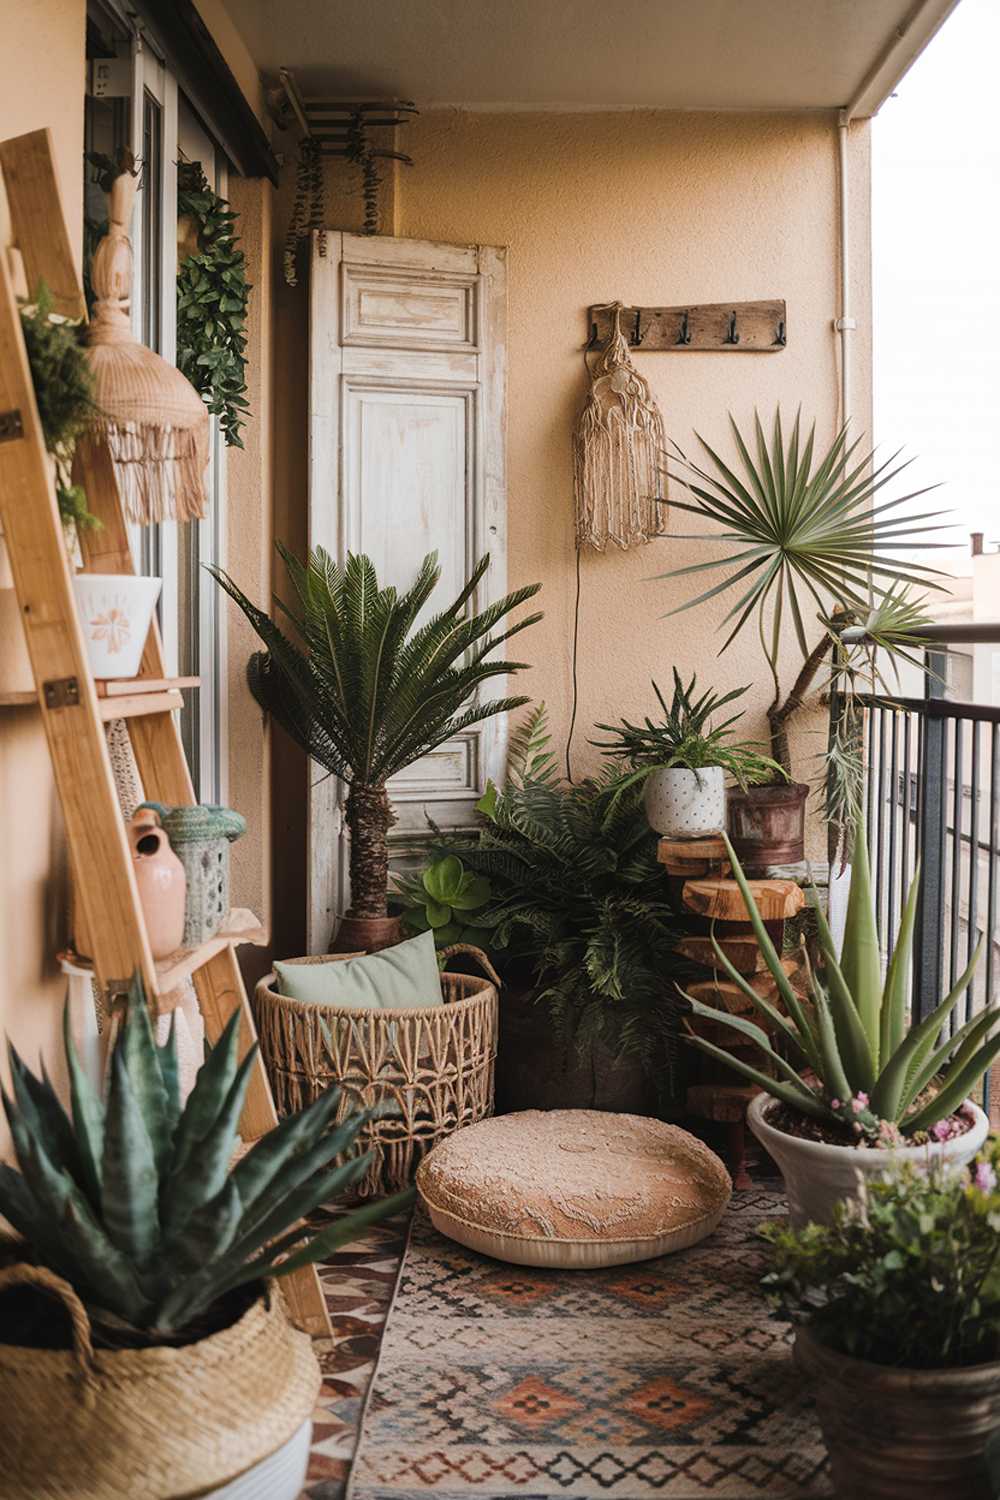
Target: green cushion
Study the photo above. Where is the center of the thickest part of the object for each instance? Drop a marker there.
(403, 977)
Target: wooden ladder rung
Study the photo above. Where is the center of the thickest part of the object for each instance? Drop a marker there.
(127, 687)
(138, 703)
(241, 926)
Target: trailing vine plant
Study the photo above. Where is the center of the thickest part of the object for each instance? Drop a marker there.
(212, 299)
(308, 207)
(64, 393)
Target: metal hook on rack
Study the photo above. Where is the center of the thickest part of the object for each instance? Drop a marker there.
(779, 337)
(732, 337)
(684, 332)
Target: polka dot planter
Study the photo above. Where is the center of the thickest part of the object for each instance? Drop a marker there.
(683, 804)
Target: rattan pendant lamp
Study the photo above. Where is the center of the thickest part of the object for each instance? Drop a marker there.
(148, 415)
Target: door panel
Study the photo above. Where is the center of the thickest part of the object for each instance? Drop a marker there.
(407, 456)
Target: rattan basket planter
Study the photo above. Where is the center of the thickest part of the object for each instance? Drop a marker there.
(160, 1423)
(435, 1065)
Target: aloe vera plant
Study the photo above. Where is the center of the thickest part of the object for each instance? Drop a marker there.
(851, 1034)
(132, 1198)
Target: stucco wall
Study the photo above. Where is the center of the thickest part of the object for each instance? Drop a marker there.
(41, 84)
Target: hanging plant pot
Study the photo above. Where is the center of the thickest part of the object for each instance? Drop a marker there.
(115, 610)
(684, 804)
(767, 825)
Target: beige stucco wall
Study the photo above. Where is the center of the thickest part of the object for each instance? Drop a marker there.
(41, 84)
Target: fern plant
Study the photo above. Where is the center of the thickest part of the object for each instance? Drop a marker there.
(366, 692)
(132, 1199)
(578, 894)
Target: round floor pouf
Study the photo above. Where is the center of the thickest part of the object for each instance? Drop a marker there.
(573, 1188)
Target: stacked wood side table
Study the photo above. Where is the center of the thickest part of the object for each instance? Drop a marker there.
(716, 902)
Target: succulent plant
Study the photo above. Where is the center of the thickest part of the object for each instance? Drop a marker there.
(134, 1200)
(853, 1059)
(448, 899)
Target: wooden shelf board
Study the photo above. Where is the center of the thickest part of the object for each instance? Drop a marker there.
(139, 703)
(241, 927)
(127, 687)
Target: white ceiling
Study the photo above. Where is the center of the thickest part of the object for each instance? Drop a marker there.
(594, 54)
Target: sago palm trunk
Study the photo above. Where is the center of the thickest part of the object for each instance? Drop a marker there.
(369, 818)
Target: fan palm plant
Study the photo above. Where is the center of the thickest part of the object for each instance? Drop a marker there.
(799, 535)
(366, 691)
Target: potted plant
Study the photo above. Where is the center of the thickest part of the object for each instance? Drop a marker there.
(860, 1087)
(799, 532)
(683, 761)
(143, 1346)
(896, 1304)
(581, 929)
(366, 692)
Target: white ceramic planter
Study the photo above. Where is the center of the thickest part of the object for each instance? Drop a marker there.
(685, 804)
(280, 1476)
(818, 1175)
(115, 610)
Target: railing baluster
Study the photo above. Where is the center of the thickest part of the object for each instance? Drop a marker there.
(893, 820)
(880, 923)
(972, 935)
(956, 854)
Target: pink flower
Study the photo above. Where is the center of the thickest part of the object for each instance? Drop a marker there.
(942, 1131)
(860, 1101)
(984, 1177)
(834, 1103)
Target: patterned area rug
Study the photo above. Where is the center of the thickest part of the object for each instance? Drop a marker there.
(358, 1282)
(665, 1378)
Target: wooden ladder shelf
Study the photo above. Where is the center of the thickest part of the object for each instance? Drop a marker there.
(73, 712)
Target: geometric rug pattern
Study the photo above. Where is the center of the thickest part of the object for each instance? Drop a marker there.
(666, 1378)
(358, 1282)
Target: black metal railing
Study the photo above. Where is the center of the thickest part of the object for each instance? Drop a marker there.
(932, 792)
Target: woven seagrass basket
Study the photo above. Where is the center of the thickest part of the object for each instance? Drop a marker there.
(149, 1424)
(433, 1066)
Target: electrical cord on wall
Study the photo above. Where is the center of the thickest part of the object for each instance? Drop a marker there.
(576, 690)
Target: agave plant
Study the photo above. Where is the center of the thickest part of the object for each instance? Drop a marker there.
(851, 1034)
(365, 693)
(799, 535)
(685, 737)
(132, 1199)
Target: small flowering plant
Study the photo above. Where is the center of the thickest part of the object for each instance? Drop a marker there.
(907, 1276)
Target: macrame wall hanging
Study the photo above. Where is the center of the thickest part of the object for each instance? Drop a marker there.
(149, 417)
(618, 445)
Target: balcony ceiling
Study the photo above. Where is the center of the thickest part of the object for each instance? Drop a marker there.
(595, 54)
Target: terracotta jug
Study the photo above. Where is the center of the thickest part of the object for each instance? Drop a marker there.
(161, 880)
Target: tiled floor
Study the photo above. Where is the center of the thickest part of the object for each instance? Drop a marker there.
(359, 1282)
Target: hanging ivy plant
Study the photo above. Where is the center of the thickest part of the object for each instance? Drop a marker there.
(64, 393)
(212, 298)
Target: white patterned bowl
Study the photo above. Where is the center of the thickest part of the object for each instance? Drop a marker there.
(683, 804)
(115, 610)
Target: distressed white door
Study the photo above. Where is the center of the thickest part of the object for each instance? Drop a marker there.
(407, 456)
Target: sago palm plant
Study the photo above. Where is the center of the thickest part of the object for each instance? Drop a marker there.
(366, 691)
(133, 1199)
(849, 1057)
(802, 538)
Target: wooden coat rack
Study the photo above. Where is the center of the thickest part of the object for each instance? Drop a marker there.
(725, 327)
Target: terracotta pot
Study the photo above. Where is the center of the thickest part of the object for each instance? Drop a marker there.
(819, 1175)
(366, 934)
(894, 1434)
(767, 825)
(683, 804)
(537, 1070)
(162, 883)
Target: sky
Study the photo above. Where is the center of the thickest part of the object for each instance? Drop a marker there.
(936, 270)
